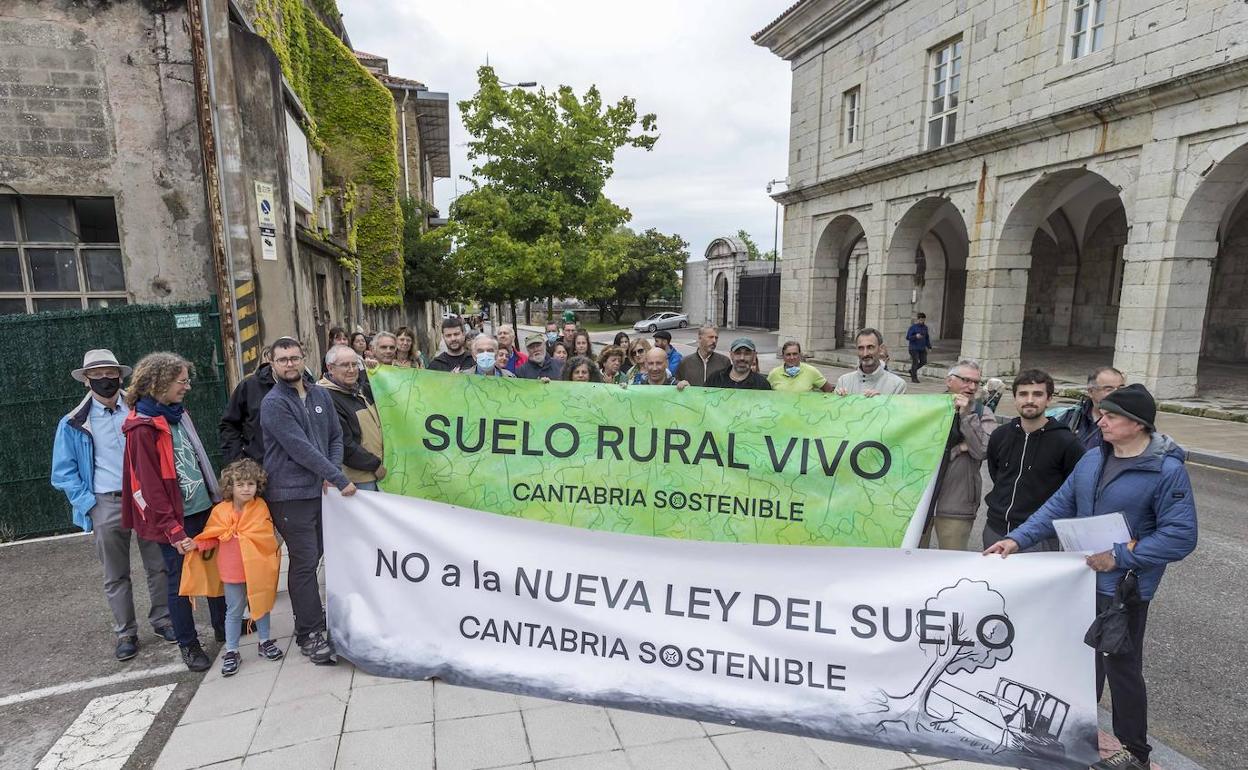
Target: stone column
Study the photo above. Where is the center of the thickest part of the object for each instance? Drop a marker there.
(1165, 285)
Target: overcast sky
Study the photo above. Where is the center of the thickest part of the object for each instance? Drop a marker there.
(721, 101)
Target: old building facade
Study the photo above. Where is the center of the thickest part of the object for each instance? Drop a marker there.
(1049, 175)
(106, 193)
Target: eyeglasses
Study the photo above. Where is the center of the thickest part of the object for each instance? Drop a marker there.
(186, 382)
(967, 380)
(638, 352)
(288, 360)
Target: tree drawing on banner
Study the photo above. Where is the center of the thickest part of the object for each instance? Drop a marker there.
(965, 638)
(967, 630)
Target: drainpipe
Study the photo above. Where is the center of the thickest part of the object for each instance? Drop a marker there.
(210, 148)
(407, 188)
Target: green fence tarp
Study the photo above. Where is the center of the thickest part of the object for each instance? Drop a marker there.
(39, 351)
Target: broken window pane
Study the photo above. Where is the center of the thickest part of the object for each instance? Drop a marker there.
(97, 220)
(48, 219)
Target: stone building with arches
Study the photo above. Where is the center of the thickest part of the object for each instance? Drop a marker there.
(1064, 177)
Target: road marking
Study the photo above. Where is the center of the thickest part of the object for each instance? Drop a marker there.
(90, 684)
(44, 539)
(107, 731)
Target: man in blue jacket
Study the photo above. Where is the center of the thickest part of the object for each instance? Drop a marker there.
(86, 465)
(1139, 473)
(920, 341)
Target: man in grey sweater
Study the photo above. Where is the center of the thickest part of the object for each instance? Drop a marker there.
(302, 457)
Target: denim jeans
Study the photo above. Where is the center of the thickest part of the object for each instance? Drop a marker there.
(180, 611)
(235, 601)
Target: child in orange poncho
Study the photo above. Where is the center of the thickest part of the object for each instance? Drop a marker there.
(247, 560)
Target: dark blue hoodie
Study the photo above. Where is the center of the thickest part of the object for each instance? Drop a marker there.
(1155, 497)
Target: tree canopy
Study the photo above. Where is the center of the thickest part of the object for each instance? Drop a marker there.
(536, 222)
(648, 269)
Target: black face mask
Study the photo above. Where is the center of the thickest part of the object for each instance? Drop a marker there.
(106, 387)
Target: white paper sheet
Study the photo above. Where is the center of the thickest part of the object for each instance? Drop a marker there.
(1092, 534)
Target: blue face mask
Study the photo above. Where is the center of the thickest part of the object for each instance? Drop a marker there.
(791, 371)
(552, 336)
(485, 361)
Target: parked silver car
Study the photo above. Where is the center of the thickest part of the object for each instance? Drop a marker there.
(666, 320)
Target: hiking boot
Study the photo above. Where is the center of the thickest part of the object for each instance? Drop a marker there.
(319, 649)
(267, 649)
(127, 647)
(167, 633)
(1120, 760)
(194, 657)
(230, 662)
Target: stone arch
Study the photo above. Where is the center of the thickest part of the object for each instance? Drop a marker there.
(843, 240)
(1215, 224)
(925, 271)
(1057, 271)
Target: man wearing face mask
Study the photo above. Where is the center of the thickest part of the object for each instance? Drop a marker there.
(86, 465)
(541, 365)
(795, 375)
(485, 351)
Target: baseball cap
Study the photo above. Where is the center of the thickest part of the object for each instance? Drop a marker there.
(742, 342)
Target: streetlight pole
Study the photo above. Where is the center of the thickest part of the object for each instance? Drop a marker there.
(775, 236)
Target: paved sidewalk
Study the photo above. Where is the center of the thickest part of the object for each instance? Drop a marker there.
(294, 714)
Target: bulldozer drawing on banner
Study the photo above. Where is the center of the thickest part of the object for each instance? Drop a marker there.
(1016, 717)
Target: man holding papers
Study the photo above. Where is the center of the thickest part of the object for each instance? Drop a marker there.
(1139, 473)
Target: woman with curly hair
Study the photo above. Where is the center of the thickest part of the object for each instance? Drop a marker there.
(240, 530)
(581, 369)
(167, 484)
(611, 364)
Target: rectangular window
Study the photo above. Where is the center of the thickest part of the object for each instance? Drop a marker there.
(851, 110)
(1087, 27)
(946, 80)
(59, 254)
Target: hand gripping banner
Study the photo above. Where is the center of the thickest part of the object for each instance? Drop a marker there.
(698, 464)
(948, 654)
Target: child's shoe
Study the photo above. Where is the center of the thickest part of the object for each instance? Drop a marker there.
(267, 649)
(230, 661)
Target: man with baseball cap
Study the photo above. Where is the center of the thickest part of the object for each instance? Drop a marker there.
(86, 465)
(541, 365)
(740, 374)
(1139, 473)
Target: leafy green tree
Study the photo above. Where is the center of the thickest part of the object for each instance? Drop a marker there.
(536, 223)
(651, 264)
(429, 269)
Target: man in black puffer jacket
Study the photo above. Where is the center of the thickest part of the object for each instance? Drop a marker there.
(1028, 460)
(239, 428)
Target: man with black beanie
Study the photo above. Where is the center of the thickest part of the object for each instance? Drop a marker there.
(1140, 474)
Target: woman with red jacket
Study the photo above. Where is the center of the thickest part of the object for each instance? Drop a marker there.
(168, 485)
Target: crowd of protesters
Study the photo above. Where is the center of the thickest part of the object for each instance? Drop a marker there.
(132, 462)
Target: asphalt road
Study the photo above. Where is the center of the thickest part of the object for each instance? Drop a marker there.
(54, 630)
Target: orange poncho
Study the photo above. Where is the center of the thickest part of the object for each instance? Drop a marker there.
(261, 563)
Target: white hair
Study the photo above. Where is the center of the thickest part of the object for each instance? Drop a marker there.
(967, 363)
(483, 338)
(379, 335)
(331, 355)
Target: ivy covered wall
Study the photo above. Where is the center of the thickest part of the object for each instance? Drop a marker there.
(354, 129)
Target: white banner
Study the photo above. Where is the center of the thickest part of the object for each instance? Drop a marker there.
(948, 654)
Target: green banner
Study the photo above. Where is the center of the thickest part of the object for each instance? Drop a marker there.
(703, 463)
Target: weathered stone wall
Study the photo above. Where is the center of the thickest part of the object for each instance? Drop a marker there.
(1176, 154)
(96, 100)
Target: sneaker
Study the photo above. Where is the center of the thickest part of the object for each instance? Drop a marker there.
(319, 649)
(167, 633)
(230, 661)
(127, 647)
(194, 657)
(1120, 760)
(267, 649)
